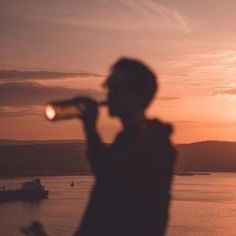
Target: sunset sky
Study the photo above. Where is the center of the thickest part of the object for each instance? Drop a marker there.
(60, 49)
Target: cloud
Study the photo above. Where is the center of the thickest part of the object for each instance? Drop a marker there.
(201, 123)
(159, 15)
(103, 14)
(168, 98)
(29, 75)
(20, 111)
(27, 98)
(225, 92)
(31, 93)
(207, 69)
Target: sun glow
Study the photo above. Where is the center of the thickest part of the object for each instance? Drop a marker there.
(50, 112)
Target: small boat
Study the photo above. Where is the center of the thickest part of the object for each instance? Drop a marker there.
(185, 174)
(29, 191)
(202, 173)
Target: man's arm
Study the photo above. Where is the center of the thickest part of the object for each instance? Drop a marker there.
(96, 150)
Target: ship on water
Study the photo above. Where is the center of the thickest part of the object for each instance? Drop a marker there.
(30, 191)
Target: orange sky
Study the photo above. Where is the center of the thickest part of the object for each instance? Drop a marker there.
(189, 44)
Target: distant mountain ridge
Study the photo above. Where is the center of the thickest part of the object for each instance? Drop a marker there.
(211, 156)
(64, 157)
(43, 158)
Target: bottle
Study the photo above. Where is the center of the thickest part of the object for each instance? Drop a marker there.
(67, 109)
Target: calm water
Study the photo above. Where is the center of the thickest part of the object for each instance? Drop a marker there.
(201, 205)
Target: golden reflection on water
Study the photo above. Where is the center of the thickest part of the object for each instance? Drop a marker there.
(201, 205)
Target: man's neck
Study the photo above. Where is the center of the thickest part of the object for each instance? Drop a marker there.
(133, 120)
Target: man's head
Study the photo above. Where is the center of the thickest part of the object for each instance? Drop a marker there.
(131, 87)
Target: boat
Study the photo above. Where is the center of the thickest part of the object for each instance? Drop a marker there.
(202, 173)
(30, 191)
(185, 174)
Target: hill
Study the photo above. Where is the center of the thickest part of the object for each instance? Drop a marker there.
(210, 156)
(69, 157)
(44, 158)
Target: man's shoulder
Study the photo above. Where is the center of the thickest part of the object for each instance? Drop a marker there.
(157, 127)
(150, 129)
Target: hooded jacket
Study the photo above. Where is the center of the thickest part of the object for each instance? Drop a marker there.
(132, 189)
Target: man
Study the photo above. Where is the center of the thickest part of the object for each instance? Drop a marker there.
(133, 175)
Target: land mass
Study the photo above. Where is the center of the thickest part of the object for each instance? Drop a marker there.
(58, 157)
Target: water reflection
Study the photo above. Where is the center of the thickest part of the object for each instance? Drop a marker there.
(202, 205)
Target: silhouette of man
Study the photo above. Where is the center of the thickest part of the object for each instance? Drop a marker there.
(133, 175)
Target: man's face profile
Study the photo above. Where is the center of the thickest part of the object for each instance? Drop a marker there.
(122, 101)
(119, 96)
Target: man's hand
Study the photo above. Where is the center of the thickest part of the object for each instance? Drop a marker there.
(89, 110)
(35, 229)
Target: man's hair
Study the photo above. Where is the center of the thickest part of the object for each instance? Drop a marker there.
(139, 78)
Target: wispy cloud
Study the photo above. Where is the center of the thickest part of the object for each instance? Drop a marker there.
(29, 75)
(103, 14)
(231, 91)
(30, 93)
(20, 111)
(200, 123)
(27, 98)
(166, 99)
(212, 69)
(159, 15)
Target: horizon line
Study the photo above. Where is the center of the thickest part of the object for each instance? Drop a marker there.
(84, 140)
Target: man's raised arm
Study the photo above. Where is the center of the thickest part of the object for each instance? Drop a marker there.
(97, 151)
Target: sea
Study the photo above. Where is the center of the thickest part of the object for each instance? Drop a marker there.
(202, 205)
